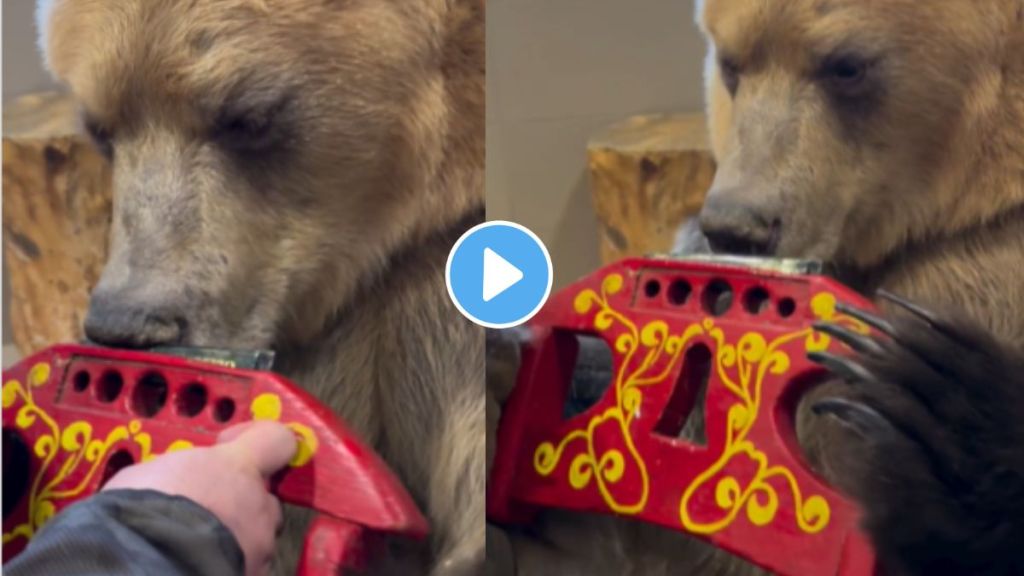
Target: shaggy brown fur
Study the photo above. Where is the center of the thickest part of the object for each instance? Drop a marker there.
(886, 137)
(291, 174)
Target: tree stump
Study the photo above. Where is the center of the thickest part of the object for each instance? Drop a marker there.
(56, 218)
(648, 174)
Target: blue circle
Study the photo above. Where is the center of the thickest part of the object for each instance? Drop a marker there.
(518, 247)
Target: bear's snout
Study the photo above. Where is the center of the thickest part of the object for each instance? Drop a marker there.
(734, 223)
(117, 319)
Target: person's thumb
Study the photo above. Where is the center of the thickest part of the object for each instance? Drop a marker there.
(228, 434)
(264, 446)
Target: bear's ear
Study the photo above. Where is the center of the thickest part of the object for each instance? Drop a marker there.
(44, 9)
(710, 57)
(698, 13)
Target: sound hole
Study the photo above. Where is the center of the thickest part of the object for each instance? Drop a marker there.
(591, 374)
(684, 414)
(192, 400)
(679, 292)
(150, 395)
(224, 409)
(756, 300)
(81, 381)
(717, 298)
(652, 288)
(17, 464)
(110, 386)
(787, 306)
(118, 461)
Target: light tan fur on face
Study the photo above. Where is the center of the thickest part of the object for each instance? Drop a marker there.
(364, 107)
(925, 195)
(329, 245)
(925, 198)
(941, 143)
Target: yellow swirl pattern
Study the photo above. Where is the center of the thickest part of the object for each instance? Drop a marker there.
(76, 445)
(608, 466)
(74, 442)
(741, 367)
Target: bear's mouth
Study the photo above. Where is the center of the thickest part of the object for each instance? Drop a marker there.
(844, 274)
(230, 357)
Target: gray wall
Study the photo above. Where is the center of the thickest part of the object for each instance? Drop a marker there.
(23, 70)
(557, 72)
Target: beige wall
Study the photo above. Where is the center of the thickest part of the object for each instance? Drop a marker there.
(558, 71)
(22, 73)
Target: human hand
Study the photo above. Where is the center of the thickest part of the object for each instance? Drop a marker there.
(230, 480)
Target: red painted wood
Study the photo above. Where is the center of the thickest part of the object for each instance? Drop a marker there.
(330, 541)
(651, 486)
(344, 480)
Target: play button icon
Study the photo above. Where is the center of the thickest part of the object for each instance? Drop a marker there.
(499, 274)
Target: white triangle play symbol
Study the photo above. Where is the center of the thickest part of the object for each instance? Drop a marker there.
(499, 274)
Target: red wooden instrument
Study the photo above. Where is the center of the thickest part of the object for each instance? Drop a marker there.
(668, 326)
(74, 415)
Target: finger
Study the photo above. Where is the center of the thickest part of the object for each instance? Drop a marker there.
(259, 563)
(276, 515)
(265, 543)
(264, 446)
(230, 433)
(267, 566)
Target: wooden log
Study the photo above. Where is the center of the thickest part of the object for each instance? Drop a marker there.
(648, 175)
(56, 218)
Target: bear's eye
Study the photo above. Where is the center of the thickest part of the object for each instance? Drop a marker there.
(845, 75)
(101, 137)
(730, 72)
(255, 125)
(254, 131)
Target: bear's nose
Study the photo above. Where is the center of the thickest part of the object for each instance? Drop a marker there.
(739, 228)
(115, 320)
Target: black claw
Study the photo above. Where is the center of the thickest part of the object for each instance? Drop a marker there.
(872, 320)
(926, 315)
(858, 342)
(843, 367)
(909, 306)
(860, 418)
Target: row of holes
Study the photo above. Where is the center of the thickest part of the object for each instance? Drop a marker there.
(717, 297)
(150, 395)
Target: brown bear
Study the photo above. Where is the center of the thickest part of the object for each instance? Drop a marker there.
(886, 138)
(291, 174)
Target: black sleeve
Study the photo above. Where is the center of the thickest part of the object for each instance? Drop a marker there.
(131, 532)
